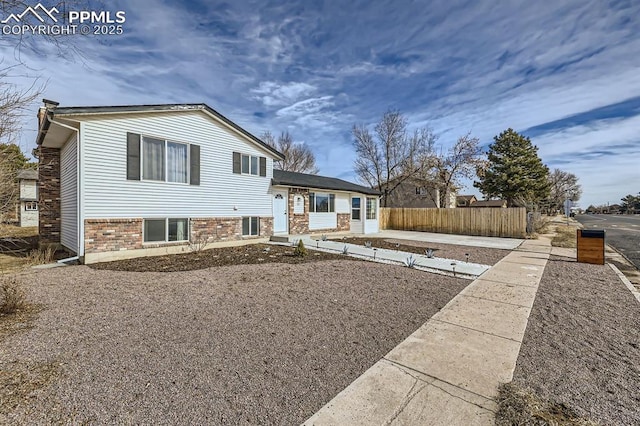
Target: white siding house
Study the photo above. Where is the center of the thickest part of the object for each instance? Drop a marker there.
(69, 228)
(28, 206)
(151, 179)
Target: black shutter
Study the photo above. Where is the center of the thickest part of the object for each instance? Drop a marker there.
(236, 162)
(133, 156)
(263, 166)
(195, 164)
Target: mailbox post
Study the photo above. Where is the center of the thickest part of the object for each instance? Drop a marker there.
(591, 246)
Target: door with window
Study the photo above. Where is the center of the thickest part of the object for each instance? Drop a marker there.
(356, 215)
(280, 216)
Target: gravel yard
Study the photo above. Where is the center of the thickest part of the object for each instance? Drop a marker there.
(582, 346)
(244, 344)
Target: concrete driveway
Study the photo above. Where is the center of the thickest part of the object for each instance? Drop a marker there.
(462, 240)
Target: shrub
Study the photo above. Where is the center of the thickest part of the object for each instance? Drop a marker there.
(11, 295)
(41, 256)
(301, 250)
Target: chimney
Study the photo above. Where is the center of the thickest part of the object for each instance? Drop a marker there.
(42, 111)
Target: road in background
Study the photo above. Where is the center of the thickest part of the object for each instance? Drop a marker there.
(622, 232)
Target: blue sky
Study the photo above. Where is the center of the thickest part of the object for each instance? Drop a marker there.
(566, 73)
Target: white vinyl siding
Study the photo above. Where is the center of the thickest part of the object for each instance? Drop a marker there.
(342, 202)
(323, 221)
(221, 193)
(28, 189)
(69, 195)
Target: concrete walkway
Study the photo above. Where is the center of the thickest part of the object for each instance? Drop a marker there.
(435, 264)
(463, 240)
(449, 370)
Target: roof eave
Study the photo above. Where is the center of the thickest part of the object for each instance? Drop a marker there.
(103, 110)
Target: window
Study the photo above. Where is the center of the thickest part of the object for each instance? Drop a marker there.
(162, 160)
(355, 208)
(154, 160)
(250, 226)
(31, 206)
(371, 208)
(322, 203)
(249, 164)
(163, 230)
(177, 162)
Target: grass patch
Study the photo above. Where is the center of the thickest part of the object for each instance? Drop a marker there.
(520, 406)
(40, 256)
(565, 237)
(12, 297)
(22, 380)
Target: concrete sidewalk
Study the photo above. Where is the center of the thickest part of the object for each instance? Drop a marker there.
(463, 269)
(449, 370)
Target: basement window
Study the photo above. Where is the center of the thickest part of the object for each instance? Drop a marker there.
(250, 226)
(165, 230)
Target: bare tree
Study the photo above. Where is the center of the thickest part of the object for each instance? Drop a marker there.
(298, 157)
(391, 155)
(14, 102)
(563, 185)
(447, 169)
(64, 44)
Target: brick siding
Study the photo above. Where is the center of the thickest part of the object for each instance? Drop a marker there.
(102, 235)
(49, 196)
(344, 221)
(298, 223)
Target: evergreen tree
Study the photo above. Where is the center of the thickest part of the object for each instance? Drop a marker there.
(514, 171)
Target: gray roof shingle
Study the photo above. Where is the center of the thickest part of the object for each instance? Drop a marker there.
(281, 177)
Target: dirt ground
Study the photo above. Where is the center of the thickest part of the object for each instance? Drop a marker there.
(581, 349)
(250, 254)
(269, 253)
(244, 344)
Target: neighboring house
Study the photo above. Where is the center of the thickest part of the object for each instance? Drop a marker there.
(490, 203)
(465, 200)
(124, 181)
(28, 210)
(413, 193)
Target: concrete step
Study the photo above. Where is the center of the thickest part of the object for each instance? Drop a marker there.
(287, 238)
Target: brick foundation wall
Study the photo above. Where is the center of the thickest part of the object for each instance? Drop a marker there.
(102, 235)
(112, 235)
(49, 196)
(298, 223)
(344, 221)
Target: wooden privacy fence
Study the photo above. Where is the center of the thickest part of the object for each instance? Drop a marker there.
(486, 222)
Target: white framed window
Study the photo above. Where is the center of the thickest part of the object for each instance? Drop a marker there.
(355, 208)
(31, 206)
(372, 207)
(320, 202)
(250, 226)
(250, 165)
(165, 161)
(165, 230)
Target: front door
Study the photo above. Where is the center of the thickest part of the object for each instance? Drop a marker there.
(280, 213)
